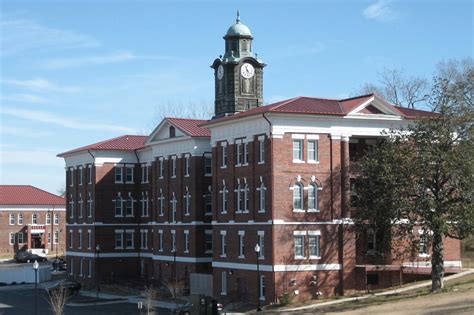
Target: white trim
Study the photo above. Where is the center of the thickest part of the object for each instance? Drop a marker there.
(312, 137)
(276, 268)
(314, 232)
(297, 136)
(299, 232)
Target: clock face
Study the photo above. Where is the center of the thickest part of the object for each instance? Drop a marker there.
(220, 72)
(247, 70)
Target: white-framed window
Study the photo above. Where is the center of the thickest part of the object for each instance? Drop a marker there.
(173, 241)
(145, 204)
(186, 241)
(241, 244)
(56, 237)
(160, 240)
(89, 239)
(79, 244)
(71, 176)
(298, 149)
(261, 197)
(313, 244)
(313, 198)
(423, 245)
(224, 154)
(187, 202)
(298, 197)
(313, 150)
(20, 219)
(161, 167)
(246, 198)
(71, 266)
(129, 206)
(56, 219)
(224, 203)
(71, 238)
(144, 239)
(80, 175)
(34, 218)
(118, 174)
(224, 283)
(371, 241)
(118, 206)
(246, 153)
(89, 168)
(223, 243)
(208, 201)
(89, 268)
(11, 238)
(173, 166)
(21, 238)
(71, 206)
(119, 239)
(262, 288)
(261, 149)
(129, 174)
(161, 200)
(261, 243)
(145, 169)
(81, 205)
(89, 205)
(11, 219)
(209, 243)
(238, 198)
(129, 239)
(173, 208)
(80, 266)
(238, 152)
(187, 165)
(49, 238)
(207, 165)
(299, 244)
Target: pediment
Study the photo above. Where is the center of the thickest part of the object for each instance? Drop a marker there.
(164, 131)
(376, 106)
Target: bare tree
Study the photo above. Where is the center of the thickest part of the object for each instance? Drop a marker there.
(149, 294)
(176, 288)
(57, 300)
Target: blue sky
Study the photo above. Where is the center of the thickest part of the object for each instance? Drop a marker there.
(77, 72)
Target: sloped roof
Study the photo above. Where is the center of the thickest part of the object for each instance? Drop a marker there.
(122, 143)
(410, 113)
(28, 195)
(190, 126)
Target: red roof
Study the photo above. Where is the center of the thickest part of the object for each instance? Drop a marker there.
(415, 113)
(190, 126)
(28, 195)
(122, 143)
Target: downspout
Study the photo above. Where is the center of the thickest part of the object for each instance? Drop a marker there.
(138, 221)
(275, 297)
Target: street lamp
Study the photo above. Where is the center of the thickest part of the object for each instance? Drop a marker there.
(97, 249)
(257, 252)
(174, 274)
(35, 267)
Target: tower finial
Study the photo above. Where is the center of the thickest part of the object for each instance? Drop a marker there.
(238, 17)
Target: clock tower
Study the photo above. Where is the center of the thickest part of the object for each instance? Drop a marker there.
(238, 74)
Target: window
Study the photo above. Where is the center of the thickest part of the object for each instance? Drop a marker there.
(186, 165)
(313, 151)
(71, 176)
(313, 244)
(224, 283)
(89, 239)
(56, 219)
(261, 243)
(261, 149)
(11, 238)
(209, 245)
(187, 202)
(71, 239)
(71, 269)
(162, 203)
(89, 206)
(262, 287)
(208, 201)
(297, 197)
(186, 241)
(129, 208)
(173, 166)
(21, 238)
(80, 240)
(49, 238)
(118, 174)
(224, 155)
(89, 268)
(241, 244)
(313, 197)
(20, 219)
(224, 193)
(118, 206)
(34, 218)
(56, 237)
(207, 165)
(238, 199)
(173, 208)
(161, 168)
(370, 241)
(246, 198)
(129, 174)
(261, 197)
(246, 153)
(71, 207)
(238, 152)
(118, 239)
(89, 167)
(11, 219)
(297, 149)
(173, 241)
(223, 244)
(144, 173)
(129, 239)
(144, 239)
(80, 175)
(299, 245)
(81, 203)
(160, 240)
(423, 245)
(172, 132)
(80, 267)
(144, 204)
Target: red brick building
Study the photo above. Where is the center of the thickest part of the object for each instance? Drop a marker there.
(32, 219)
(196, 197)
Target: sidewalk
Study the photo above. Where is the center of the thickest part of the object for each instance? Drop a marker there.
(358, 298)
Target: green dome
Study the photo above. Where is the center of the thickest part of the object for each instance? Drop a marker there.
(238, 29)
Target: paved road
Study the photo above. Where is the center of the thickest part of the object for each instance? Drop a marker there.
(20, 301)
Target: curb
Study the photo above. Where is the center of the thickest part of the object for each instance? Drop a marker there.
(96, 303)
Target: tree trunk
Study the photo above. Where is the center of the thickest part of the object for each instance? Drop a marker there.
(437, 263)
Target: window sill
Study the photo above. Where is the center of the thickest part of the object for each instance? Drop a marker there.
(300, 257)
(313, 162)
(314, 210)
(261, 162)
(262, 298)
(261, 211)
(223, 256)
(117, 216)
(129, 216)
(208, 252)
(245, 164)
(223, 293)
(161, 177)
(223, 167)
(187, 214)
(187, 175)
(299, 210)
(127, 182)
(118, 182)
(208, 213)
(208, 175)
(299, 161)
(424, 255)
(241, 257)
(238, 165)
(118, 248)
(314, 257)
(173, 176)
(186, 252)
